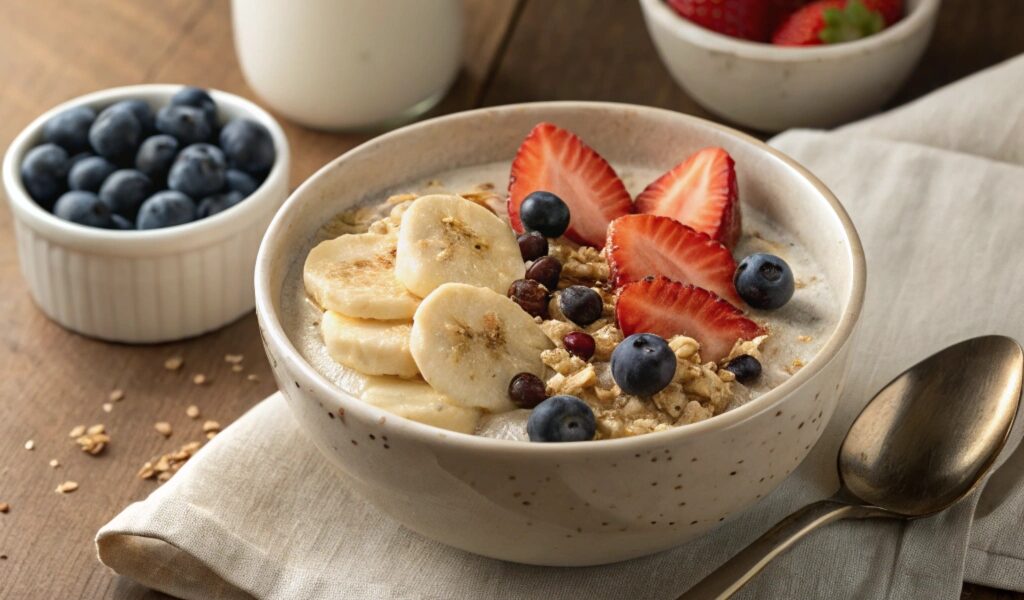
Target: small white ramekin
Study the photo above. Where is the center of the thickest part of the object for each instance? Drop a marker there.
(772, 88)
(144, 286)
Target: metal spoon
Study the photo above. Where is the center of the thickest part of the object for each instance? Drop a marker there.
(921, 444)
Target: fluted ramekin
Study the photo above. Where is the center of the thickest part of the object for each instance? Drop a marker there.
(144, 286)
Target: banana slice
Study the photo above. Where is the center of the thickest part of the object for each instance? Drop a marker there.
(369, 346)
(355, 275)
(445, 239)
(469, 342)
(414, 399)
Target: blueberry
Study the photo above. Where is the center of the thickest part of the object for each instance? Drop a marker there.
(580, 344)
(643, 364)
(248, 146)
(580, 304)
(83, 208)
(197, 98)
(142, 111)
(526, 390)
(77, 158)
(212, 205)
(116, 133)
(530, 296)
(166, 209)
(532, 245)
(156, 155)
(199, 171)
(186, 123)
(240, 181)
(89, 173)
(70, 129)
(546, 271)
(764, 281)
(546, 213)
(120, 222)
(745, 367)
(561, 419)
(44, 173)
(124, 192)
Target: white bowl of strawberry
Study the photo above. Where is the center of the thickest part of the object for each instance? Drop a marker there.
(639, 339)
(777, 64)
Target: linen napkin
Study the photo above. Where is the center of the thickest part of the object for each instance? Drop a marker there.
(935, 190)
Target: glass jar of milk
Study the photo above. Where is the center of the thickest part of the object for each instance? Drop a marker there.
(349, 64)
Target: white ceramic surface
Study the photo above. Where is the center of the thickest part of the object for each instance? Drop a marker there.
(348, 64)
(144, 286)
(772, 88)
(579, 503)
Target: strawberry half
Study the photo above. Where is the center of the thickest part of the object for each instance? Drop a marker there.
(642, 246)
(835, 21)
(554, 160)
(668, 308)
(700, 192)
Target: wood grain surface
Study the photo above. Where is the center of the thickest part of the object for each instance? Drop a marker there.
(52, 380)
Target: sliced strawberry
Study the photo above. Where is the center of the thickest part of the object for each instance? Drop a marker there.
(700, 192)
(836, 21)
(668, 308)
(648, 245)
(554, 160)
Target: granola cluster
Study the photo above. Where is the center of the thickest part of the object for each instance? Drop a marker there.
(698, 391)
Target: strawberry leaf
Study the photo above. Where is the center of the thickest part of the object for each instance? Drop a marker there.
(852, 22)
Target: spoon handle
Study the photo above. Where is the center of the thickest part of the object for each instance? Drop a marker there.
(727, 579)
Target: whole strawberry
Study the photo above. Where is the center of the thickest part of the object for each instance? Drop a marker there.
(778, 10)
(746, 19)
(831, 22)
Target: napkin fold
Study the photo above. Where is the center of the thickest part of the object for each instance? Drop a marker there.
(935, 190)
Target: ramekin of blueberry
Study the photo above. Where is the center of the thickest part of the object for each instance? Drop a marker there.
(139, 210)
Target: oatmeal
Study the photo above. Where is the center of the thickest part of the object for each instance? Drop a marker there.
(634, 324)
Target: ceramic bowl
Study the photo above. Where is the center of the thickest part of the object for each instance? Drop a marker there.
(144, 286)
(577, 503)
(772, 88)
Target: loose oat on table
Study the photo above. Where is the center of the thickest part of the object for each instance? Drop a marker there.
(237, 368)
(54, 463)
(174, 363)
(30, 445)
(234, 358)
(163, 428)
(192, 412)
(107, 407)
(163, 467)
(199, 379)
(4, 507)
(252, 377)
(209, 426)
(67, 487)
(116, 395)
(77, 431)
(94, 440)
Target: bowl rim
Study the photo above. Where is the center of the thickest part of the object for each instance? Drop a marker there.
(141, 241)
(276, 338)
(921, 14)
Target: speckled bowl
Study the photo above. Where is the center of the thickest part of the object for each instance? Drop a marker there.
(772, 88)
(564, 504)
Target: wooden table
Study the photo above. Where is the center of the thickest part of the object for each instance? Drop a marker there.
(52, 380)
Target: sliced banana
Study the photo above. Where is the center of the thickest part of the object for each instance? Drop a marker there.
(354, 275)
(448, 239)
(469, 342)
(369, 346)
(414, 399)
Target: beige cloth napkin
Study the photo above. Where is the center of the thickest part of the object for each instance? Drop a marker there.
(936, 189)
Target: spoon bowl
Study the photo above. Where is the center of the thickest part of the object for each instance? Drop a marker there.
(923, 443)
